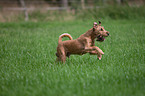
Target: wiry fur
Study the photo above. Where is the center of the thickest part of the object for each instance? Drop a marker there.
(83, 44)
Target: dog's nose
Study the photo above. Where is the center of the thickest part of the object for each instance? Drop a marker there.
(108, 33)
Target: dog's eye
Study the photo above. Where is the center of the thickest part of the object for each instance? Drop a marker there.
(101, 29)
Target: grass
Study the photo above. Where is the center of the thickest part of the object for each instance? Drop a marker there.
(28, 67)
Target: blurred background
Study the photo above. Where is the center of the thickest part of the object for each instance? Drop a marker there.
(64, 10)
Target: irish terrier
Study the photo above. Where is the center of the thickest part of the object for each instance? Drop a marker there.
(82, 45)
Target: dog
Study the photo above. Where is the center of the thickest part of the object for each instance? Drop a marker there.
(83, 44)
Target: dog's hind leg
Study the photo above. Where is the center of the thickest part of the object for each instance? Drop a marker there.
(63, 58)
(58, 58)
(68, 54)
(62, 55)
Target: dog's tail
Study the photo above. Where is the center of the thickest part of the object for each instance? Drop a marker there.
(64, 35)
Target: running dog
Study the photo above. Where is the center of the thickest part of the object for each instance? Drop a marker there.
(83, 44)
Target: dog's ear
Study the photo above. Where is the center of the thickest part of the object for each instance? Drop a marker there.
(100, 23)
(94, 26)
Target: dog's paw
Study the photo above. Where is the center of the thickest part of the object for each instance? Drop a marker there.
(99, 56)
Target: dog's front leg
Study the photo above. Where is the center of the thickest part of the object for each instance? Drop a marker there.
(94, 48)
(99, 56)
(98, 50)
(89, 49)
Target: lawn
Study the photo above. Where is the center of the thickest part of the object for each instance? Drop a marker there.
(28, 67)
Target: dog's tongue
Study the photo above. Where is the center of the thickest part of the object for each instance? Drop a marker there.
(103, 38)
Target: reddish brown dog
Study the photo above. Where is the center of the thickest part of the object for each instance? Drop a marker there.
(82, 45)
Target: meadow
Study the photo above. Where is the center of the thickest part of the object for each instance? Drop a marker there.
(28, 67)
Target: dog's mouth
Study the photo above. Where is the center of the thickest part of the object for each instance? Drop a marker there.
(100, 38)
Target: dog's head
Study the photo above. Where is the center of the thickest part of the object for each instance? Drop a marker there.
(99, 32)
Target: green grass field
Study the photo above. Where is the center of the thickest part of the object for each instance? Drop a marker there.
(28, 67)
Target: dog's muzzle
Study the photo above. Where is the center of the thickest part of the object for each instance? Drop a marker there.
(102, 38)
